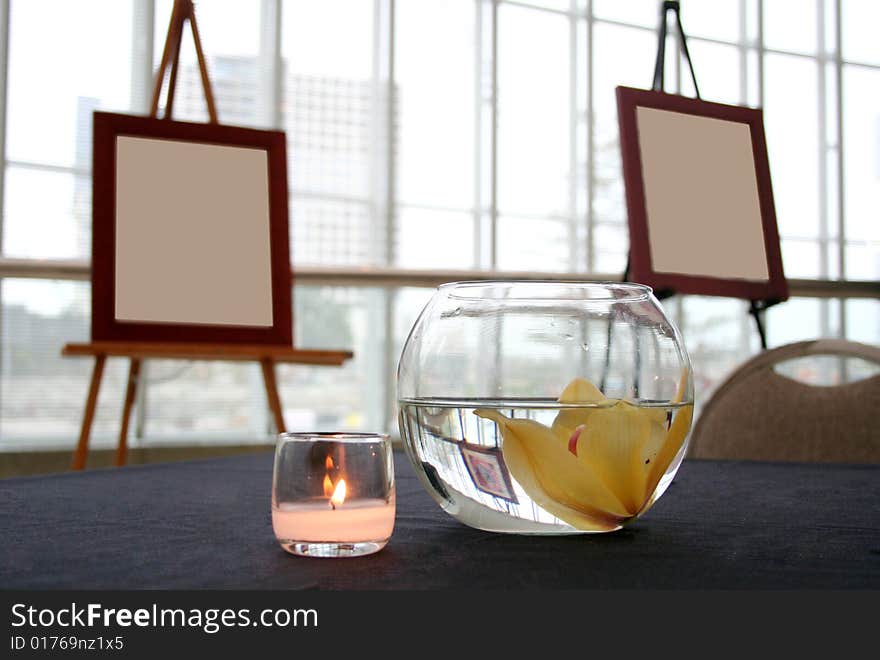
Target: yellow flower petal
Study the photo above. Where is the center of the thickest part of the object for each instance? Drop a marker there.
(577, 391)
(656, 438)
(548, 472)
(664, 444)
(611, 444)
(516, 457)
(581, 390)
(678, 431)
(682, 385)
(655, 415)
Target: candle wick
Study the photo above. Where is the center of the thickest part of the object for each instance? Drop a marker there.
(332, 506)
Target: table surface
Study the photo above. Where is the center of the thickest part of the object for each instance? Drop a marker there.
(206, 525)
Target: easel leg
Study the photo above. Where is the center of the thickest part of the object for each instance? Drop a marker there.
(134, 370)
(268, 367)
(756, 310)
(82, 449)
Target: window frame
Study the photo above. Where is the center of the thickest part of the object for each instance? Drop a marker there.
(583, 223)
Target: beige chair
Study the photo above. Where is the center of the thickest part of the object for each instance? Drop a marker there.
(758, 414)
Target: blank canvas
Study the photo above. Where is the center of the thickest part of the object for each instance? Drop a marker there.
(701, 195)
(192, 240)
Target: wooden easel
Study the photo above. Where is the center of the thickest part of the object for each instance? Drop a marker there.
(267, 355)
(182, 11)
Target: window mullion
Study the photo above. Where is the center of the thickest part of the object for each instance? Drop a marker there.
(743, 48)
(824, 308)
(762, 315)
(841, 192)
(493, 174)
(4, 70)
(744, 320)
(389, 296)
(478, 135)
(143, 23)
(142, 42)
(761, 51)
(271, 64)
(573, 248)
(590, 142)
(391, 172)
(271, 90)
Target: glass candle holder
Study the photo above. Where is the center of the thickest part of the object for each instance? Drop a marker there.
(333, 493)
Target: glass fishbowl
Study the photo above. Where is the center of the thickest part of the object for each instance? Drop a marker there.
(540, 407)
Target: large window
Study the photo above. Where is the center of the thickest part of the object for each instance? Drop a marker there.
(427, 139)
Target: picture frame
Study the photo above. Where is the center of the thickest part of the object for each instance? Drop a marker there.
(190, 238)
(488, 471)
(699, 197)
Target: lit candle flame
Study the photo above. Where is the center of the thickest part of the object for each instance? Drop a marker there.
(338, 494)
(328, 482)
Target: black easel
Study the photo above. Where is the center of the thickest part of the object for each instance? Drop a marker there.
(659, 64)
(756, 307)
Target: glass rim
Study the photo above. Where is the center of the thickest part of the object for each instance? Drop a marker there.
(335, 436)
(631, 291)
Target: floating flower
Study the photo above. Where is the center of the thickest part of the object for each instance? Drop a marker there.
(598, 466)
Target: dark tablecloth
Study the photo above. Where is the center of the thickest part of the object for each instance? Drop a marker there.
(207, 524)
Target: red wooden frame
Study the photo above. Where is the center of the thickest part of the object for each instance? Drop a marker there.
(105, 326)
(641, 267)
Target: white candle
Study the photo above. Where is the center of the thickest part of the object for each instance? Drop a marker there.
(315, 521)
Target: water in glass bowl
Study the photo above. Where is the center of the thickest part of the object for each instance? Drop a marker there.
(543, 467)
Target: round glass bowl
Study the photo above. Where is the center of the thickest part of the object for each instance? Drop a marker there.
(545, 407)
